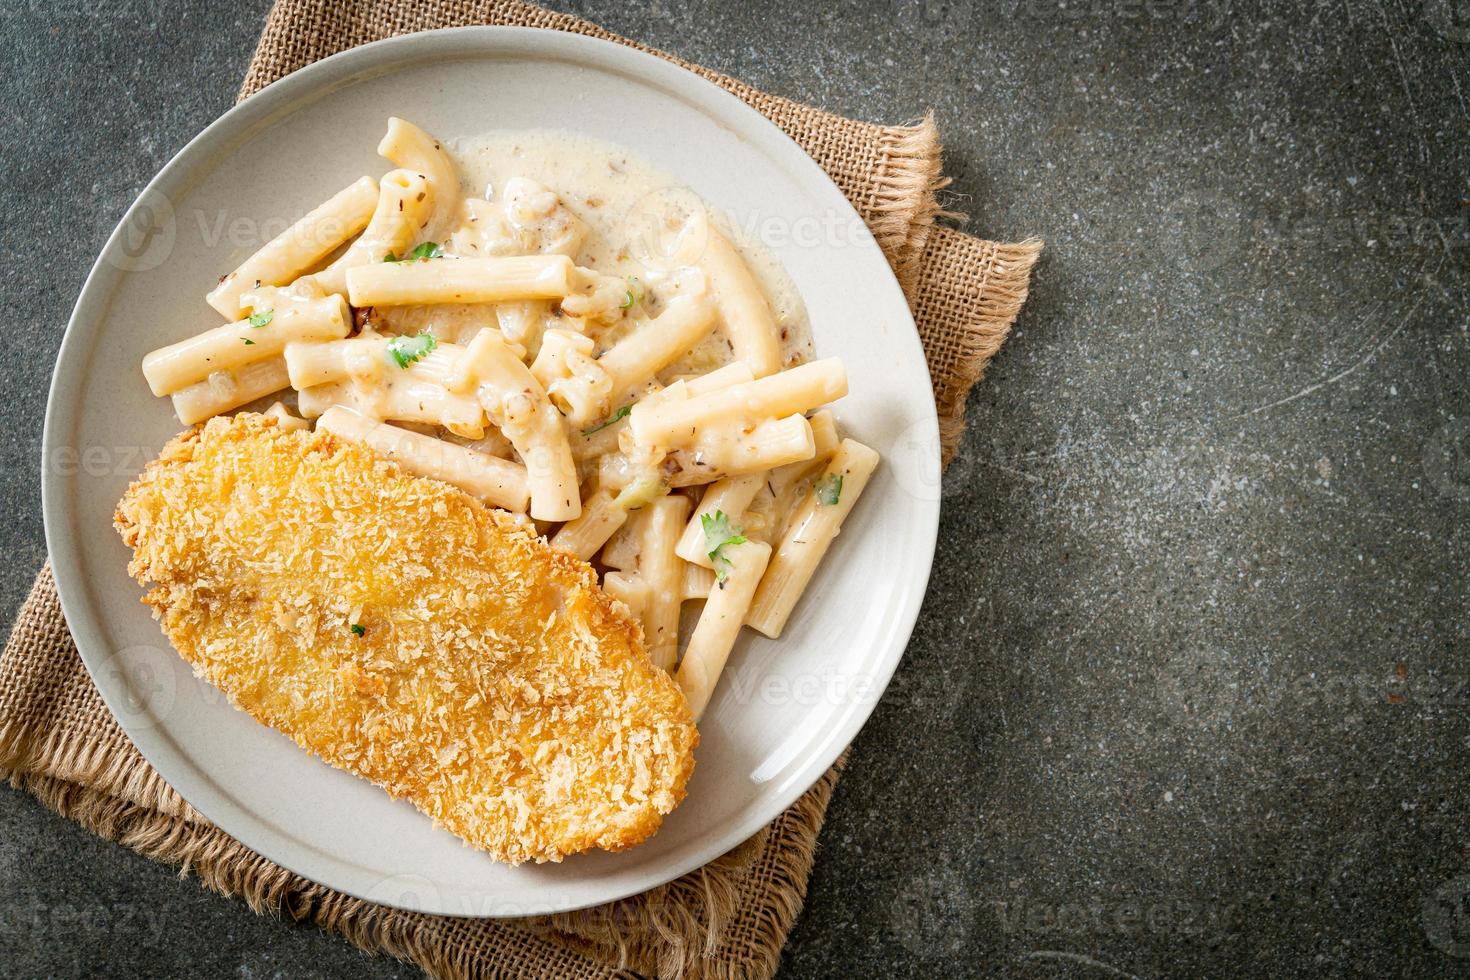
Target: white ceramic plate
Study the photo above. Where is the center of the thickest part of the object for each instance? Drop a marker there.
(784, 710)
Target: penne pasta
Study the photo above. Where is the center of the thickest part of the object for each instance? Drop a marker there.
(663, 571)
(516, 403)
(523, 322)
(496, 481)
(783, 482)
(746, 315)
(655, 345)
(585, 534)
(621, 550)
(368, 360)
(286, 420)
(534, 343)
(257, 338)
(299, 247)
(590, 444)
(697, 581)
(498, 280)
(319, 364)
(405, 201)
(731, 496)
(412, 149)
(568, 370)
(587, 390)
(630, 590)
(817, 521)
(224, 390)
(728, 451)
(676, 423)
(719, 623)
(406, 400)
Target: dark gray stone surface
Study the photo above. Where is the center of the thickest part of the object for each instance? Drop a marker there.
(1189, 695)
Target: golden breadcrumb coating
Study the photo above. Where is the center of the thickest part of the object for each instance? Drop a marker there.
(491, 682)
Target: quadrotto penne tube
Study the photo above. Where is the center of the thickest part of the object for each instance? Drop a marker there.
(496, 481)
(259, 337)
(298, 248)
(460, 280)
(813, 528)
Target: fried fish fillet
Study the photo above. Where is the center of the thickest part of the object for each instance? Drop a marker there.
(402, 631)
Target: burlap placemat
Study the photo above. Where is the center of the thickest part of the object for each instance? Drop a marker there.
(728, 919)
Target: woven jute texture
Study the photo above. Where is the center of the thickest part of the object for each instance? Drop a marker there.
(727, 919)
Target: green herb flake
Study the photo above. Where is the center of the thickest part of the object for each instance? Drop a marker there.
(717, 534)
(262, 318)
(617, 416)
(358, 629)
(829, 489)
(633, 294)
(423, 250)
(249, 342)
(406, 350)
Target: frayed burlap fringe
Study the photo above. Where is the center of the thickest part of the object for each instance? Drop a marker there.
(904, 201)
(991, 294)
(728, 919)
(96, 765)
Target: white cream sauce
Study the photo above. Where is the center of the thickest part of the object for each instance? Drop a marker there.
(628, 208)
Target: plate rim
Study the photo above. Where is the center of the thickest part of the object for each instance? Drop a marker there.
(58, 490)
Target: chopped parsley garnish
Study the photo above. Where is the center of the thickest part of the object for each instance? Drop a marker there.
(358, 629)
(617, 416)
(262, 318)
(405, 350)
(423, 250)
(717, 534)
(631, 295)
(829, 489)
(249, 342)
